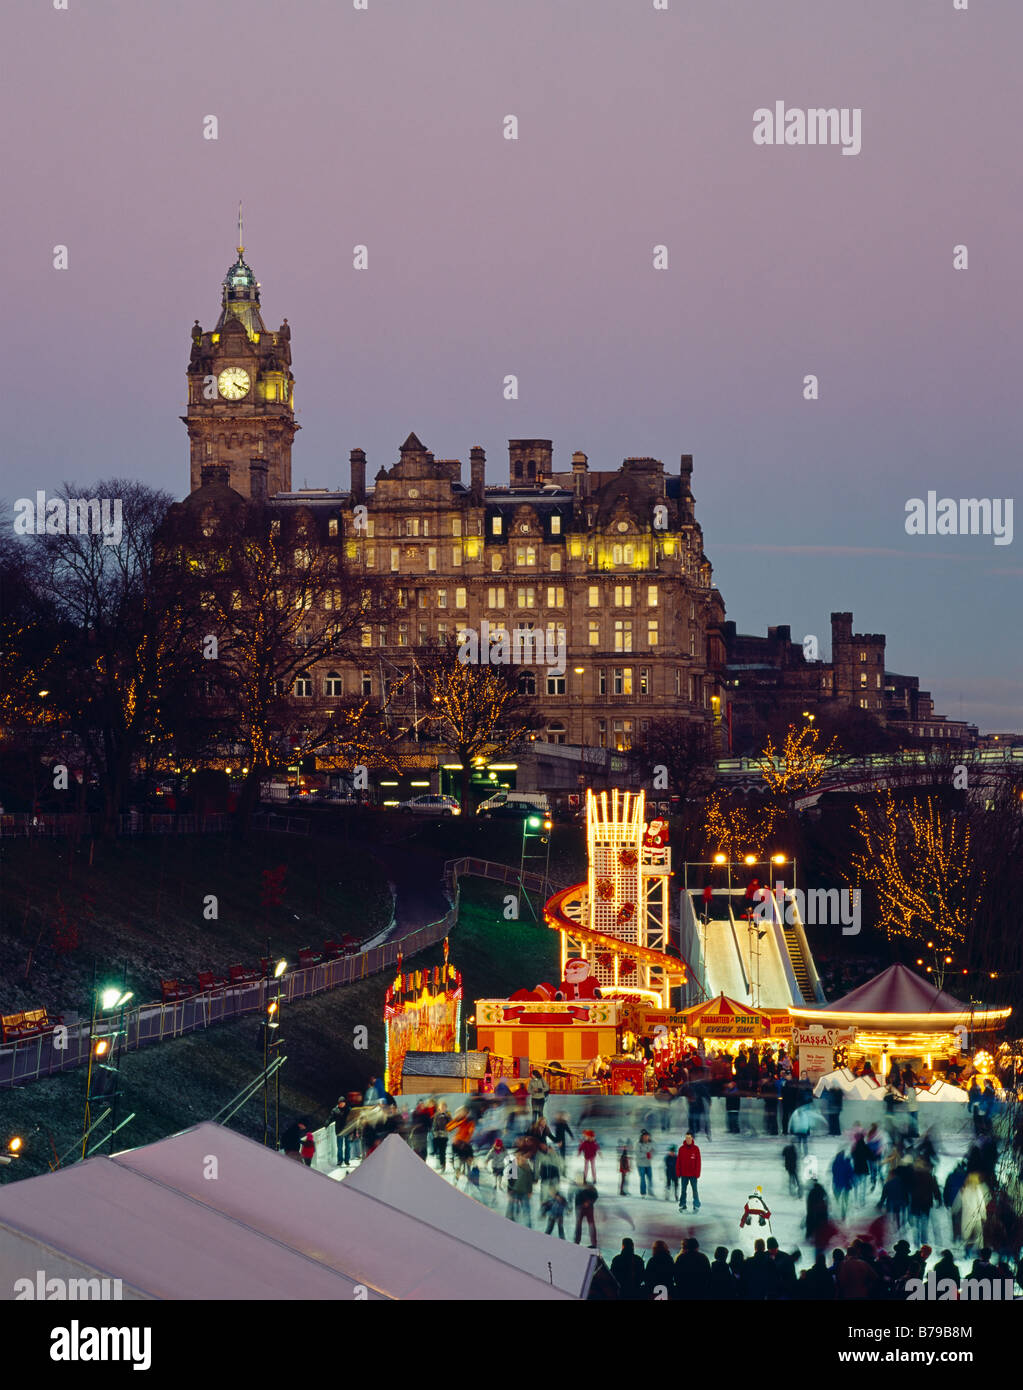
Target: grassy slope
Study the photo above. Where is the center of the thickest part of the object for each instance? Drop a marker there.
(141, 901)
(174, 1084)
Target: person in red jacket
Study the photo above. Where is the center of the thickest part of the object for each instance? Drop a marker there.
(687, 1166)
(589, 1148)
(308, 1148)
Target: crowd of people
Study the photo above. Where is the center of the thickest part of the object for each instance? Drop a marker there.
(541, 1173)
(856, 1274)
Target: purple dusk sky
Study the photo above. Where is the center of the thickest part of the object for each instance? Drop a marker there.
(534, 257)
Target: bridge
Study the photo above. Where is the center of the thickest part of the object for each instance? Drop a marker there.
(984, 767)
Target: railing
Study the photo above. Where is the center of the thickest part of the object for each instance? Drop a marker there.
(24, 824)
(67, 1047)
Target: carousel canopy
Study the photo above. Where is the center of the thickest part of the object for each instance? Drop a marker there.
(900, 996)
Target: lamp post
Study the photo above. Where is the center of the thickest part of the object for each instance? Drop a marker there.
(534, 827)
(272, 1021)
(105, 1054)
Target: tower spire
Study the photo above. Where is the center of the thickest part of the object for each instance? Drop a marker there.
(241, 245)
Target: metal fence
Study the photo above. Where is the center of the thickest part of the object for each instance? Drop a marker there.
(65, 1048)
(25, 825)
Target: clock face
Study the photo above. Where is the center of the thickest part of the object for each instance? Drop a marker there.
(233, 383)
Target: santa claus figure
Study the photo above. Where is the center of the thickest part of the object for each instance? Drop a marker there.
(579, 982)
(655, 836)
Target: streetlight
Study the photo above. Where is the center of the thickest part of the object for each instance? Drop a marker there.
(272, 1020)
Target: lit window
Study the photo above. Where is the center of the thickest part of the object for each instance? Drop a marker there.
(863, 656)
(555, 559)
(623, 635)
(442, 598)
(555, 596)
(431, 559)
(652, 632)
(525, 555)
(594, 633)
(460, 598)
(495, 597)
(496, 526)
(412, 526)
(371, 557)
(651, 595)
(623, 595)
(525, 597)
(456, 526)
(644, 680)
(594, 596)
(623, 680)
(403, 634)
(863, 678)
(395, 558)
(555, 525)
(630, 554)
(332, 527)
(495, 561)
(622, 735)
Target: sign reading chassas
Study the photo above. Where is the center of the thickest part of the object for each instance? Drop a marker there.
(817, 1048)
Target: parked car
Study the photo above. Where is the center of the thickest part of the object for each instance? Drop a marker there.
(534, 801)
(515, 810)
(431, 804)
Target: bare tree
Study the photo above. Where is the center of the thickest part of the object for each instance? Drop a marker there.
(476, 711)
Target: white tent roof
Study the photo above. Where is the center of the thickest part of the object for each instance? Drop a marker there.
(395, 1175)
(842, 1078)
(943, 1090)
(264, 1227)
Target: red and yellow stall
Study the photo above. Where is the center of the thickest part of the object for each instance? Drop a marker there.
(569, 1031)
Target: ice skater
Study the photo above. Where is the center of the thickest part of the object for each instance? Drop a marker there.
(688, 1165)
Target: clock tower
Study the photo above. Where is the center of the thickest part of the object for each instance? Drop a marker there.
(241, 403)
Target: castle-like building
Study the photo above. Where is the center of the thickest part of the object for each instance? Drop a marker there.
(608, 564)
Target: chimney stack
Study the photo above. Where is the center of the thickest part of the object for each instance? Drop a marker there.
(258, 470)
(357, 459)
(477, 473)
(580, 479)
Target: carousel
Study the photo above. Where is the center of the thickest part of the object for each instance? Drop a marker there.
(897, 1017)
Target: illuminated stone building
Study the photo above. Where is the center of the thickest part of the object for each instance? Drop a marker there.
(609, 561)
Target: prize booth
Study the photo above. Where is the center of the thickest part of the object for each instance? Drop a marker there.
(722, 1026)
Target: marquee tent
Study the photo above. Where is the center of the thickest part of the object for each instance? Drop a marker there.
(899, 998)
(209, 1214)
(393, 1174)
